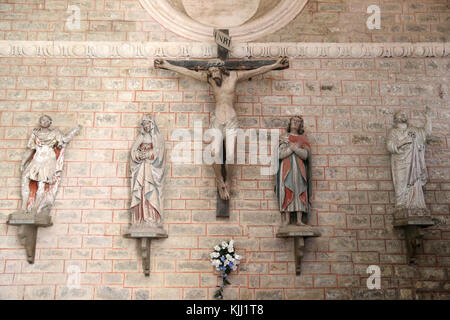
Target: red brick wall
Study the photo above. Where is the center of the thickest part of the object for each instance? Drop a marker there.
(348, 106)
(320, 21)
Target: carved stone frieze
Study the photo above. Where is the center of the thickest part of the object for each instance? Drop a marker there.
(111, 49)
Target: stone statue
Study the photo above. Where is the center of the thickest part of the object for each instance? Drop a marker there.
(406, 144)
(294, 174)
(223, 82)
(147, 174)
(41, 169)
(42, 165)
(293, 188)
(147, 178)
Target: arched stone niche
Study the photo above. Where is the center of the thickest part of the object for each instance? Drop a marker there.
(246, 20)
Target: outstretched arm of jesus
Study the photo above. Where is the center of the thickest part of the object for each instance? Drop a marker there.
(244, 75)
(198, 75)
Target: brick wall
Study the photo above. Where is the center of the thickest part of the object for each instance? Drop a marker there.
(345, 21)
(348, 106)
(320, 21)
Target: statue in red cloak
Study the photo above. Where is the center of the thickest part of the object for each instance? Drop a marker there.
(293, 186)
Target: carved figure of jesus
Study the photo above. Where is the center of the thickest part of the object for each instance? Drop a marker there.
(223, 82)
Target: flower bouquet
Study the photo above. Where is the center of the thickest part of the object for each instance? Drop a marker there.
(225, 259)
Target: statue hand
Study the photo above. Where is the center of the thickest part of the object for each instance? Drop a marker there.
(141, 155)
(283, 63)
(158, 64)
(293, 146)
(285, 140)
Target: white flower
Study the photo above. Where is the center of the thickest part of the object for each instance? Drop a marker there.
(217, 248)
(226, 262)
(228, 257)
(215, 263)
(231, 243)
(224, 244)
(237, 257)
(230, 249)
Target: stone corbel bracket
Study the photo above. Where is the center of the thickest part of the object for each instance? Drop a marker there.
(299, 243)
(145, 238)
(414, 232)
(28, 228)
(131, 50)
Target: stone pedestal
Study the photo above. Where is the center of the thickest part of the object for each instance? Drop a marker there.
(299, 233)
(412, 221)
(145, 234)
(28, 224)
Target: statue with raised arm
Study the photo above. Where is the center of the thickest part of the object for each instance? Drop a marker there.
(406, 144)
(42, 165)
(223, 83)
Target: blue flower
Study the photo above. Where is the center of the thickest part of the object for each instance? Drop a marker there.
(222, 258)
(219, 297)
(230, 264)
(223, 268)
(224, 275)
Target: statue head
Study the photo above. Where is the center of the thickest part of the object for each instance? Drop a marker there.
(296, 124)
(400, 117)
(45, 121)
(147, 123)
(216, 70)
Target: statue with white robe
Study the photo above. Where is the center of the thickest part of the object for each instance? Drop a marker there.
(147, 174)
(406, 144)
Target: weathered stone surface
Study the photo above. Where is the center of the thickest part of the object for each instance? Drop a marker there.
(112, 293)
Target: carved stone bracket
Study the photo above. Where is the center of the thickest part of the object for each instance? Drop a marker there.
(131, 50)
(28, 228)
(145, 237)
(299, 233)
(414, 232)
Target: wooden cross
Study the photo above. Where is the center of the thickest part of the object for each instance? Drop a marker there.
(223, 41)
(223, 53)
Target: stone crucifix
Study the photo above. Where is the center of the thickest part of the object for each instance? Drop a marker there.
(223, 77)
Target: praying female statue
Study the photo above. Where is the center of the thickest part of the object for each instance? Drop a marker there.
(147, 174)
